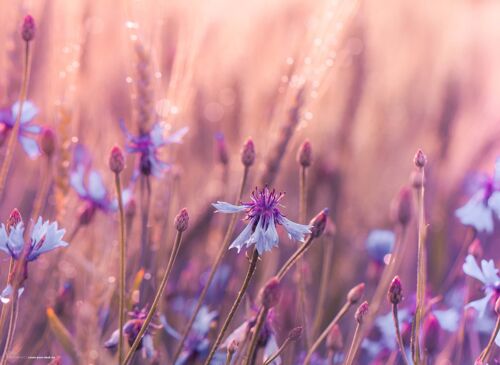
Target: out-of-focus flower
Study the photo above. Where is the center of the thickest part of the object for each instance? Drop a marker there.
(379, 244)
(263, 215)
(488, 275)
(27, 130)
(148, 145)
(131, 329)
(478, 211)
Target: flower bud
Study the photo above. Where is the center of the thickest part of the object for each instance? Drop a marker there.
(420, 159)
(356, 293)
(14, 219)
(395, 293)
(85, 214)
(182, 220)
(403, 206)
(28, 28)
(295, 334)
(304, 155)
(431, 334)
(221, 148)
(271, 293)
(318, 223)
(116, 160)
(335, 340)
(48, 141)
(361, 312)
(248, 153)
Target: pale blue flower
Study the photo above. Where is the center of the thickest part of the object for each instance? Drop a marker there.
(380, 243)
(488, 275)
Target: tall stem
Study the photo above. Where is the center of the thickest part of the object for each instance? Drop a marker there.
(12, 326)
(3, 313)
(145, 207)
(156, 301)
(399, 339)
(323, 287)
(236, 304)
(485, 354)
(353, 348)
(41, 195)
(215, 266)
(294, 258)
(255, 336)
(121, 306)
(17, 124)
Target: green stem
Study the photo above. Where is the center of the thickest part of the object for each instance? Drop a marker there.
(399, 339)
(244, 287)
(255, 336)
(215, 266)
(121, 306)
(156, 301)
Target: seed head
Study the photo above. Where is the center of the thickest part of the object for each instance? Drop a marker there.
(395, 293)
(14, 219)
(335, 340)
(304, 155)
(116, 160)
(48, 141)
(182, 220)
(248, 153)
(361, 312)
(295, 334)
(318, 223)
(28, 28)
(356, 293)
(420, 159)
(271, 293)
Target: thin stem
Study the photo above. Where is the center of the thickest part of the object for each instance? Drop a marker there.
(327, 330)
(273, 357)
(229, 357)
(485, 354)
(15, 130)
(255, 336)
(353, 348)
(399, 339)
(145, 207)
(156, 301)
(244, 287)
(3, 313)
(215, 266)
(12, 326)
(121, 306)
(323, 288)
(41, 195)
(294, 258)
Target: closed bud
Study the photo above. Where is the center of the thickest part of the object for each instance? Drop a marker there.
(271, 293)
(182, 220)
(304, 155)
(295, 334)
(48, 141)
(476, 249)
(395, 293)
(431, 334)
(361, 312)
(28, 28)
(116, 160)
(403, 207)
(420, 159)
(221, 148)
(248, 153)
(14, 219)
(335, 340)
(318, 223)
(356, 293)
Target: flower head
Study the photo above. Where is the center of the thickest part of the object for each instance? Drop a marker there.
(27, 130)
(263, 214)
(379, 244)
(148, 145)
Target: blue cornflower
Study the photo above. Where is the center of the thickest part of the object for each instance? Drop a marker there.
(27, 130)
(488, 275)
(263, 215)
(148, 144)
(380, 243)
(478, 211)
(44, 237)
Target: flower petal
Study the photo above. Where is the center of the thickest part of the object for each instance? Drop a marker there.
(490, 272)
(76, 181)
(177, 136)
(223, 207)
(96, 186)
(270, 349)
(480, 305)
(295, 231)
(30, 147)
(4, 239)
(28, 113)
(243, 238)
(448, 319)
(476, 213)
(471, 268)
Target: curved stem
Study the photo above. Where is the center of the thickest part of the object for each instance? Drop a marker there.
(244, 287)
(294, 258)
(145, 207)
(255, 336)
(327, 330)
(156, 301)
(485, 354)
(215, 266)
(353, 348)
(121, 306)
(277, 353)
(12, 326)
(399, 339)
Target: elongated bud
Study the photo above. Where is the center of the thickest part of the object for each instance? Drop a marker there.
(14, 219)
(48, 141)
(402, 209)
(318, 223)
(28, 28)
(420, 159)
(431, 334)
(335, 340)
(221, 148)
(361, 312)
(182, 220)
(271, 293)
(497, 306)
(116, 160)
(295, 334)
(304, 155)
(395, 293)
(356, 293)
(248, 153)
(476, 249)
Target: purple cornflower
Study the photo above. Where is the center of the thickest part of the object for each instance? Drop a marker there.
(478, 211)
(27, 130)
(131, 330)
(44, 237)
(263, 215)
(148, 144)
(488, 275)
